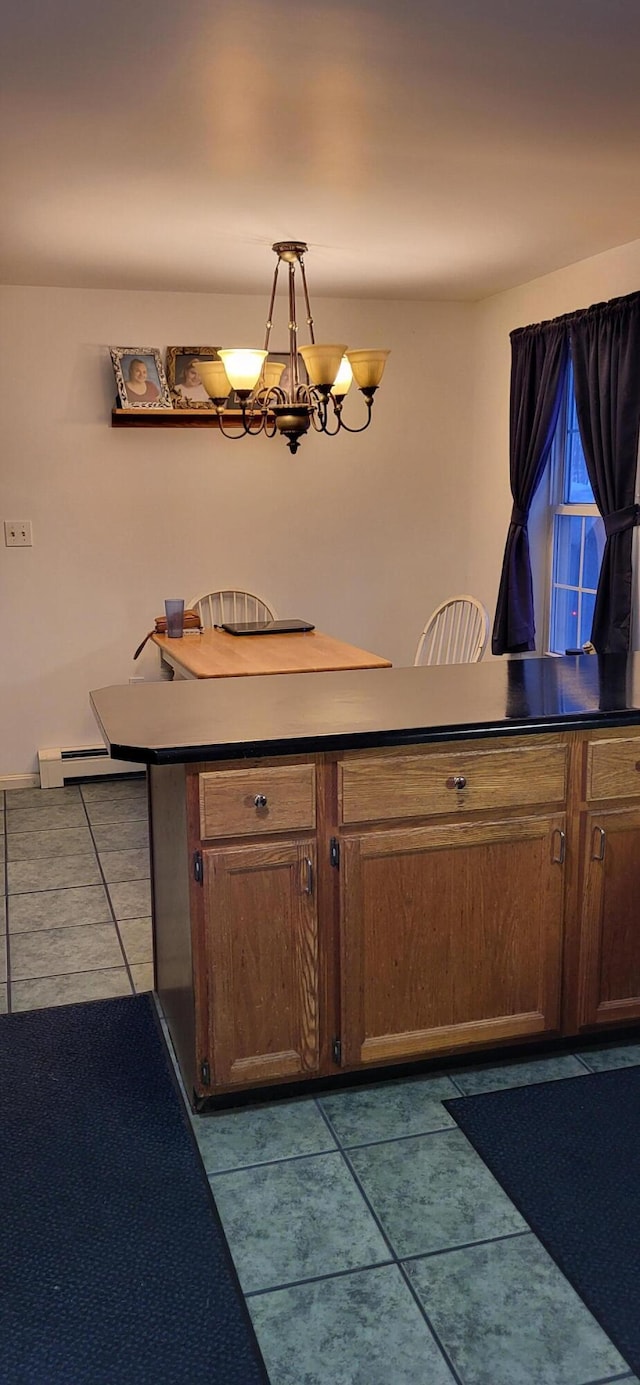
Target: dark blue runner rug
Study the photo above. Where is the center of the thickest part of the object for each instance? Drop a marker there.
(568, 1155)
(114, 1264)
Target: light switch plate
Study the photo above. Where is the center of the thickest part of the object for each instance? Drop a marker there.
(17, 533)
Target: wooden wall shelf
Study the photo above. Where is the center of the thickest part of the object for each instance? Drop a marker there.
(170, 418)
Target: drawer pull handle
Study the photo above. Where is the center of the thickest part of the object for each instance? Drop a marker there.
(557, 857)
(598, 844)
(308, 865)
(260, 800)
(457, 781)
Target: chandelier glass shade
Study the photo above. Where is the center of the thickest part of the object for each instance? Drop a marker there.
(272, 398)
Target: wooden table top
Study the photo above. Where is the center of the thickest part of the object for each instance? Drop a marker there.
(217, 654)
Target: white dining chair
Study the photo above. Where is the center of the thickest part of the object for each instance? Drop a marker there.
(230, 605)
(456, 633)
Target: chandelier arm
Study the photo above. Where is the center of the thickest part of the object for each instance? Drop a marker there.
(346, 427)
(293, 331)
(270, 313)
(246, 431)
(307, 303)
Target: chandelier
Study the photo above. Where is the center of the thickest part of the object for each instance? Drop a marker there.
(267, 404)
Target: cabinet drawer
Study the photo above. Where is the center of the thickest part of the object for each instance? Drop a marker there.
(373, 790)
(228, 806)
(613, 769)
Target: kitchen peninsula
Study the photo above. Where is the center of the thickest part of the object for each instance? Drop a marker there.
(357, 869)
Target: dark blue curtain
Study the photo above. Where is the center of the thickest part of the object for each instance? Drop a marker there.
(538, 362)
(605, 349)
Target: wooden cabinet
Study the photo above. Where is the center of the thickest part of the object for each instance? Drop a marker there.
(261, 946)
(609, 883)
(450, 936)
(370, 907)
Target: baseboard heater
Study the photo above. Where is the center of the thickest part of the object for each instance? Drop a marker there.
(58, 766)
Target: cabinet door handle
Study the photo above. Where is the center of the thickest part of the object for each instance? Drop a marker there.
(598, 844)
(457, 781)
(558, 838)
(260, 800)
(307, 888)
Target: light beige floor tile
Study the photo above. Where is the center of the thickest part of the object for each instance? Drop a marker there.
(142, 975)
(117, 810)
(41, 798)
(2, 878)
(64, 841)
(59, 951)
(3, 915)
(115, 790)
(137, 939)
(3, 1000)
(125, 865)
(65, 990)
(26, 877)
(58, 909)
(42, 819)
(131, 899)
(3, 956)
(122, 836)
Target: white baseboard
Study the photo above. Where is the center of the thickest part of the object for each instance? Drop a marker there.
(57, 765)
(19, 781)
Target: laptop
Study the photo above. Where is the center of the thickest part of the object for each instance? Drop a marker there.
(266, 627)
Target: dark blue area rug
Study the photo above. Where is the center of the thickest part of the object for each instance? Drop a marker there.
(114, 1264)
(568, 1155)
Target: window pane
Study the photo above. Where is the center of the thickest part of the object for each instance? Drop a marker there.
(567, 538)
(593, 550)
(564, 621)
(577, 489)
(586, 616)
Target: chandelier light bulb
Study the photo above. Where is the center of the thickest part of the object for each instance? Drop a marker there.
(243, 366)
(344, 379)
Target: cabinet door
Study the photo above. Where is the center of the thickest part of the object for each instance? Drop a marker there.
(450, 936)
(609, 974)
(262, 955)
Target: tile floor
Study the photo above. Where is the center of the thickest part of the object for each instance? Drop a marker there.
(372, 1244)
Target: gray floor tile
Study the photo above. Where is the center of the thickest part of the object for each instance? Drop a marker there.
(142, 977)
(360, 1329)
(611, 1056)
(67, 990)
(61, 873)
(58, 951)
(64, 841)
(433, 1191)
(3, 883)
(296, 1220)
(389, 1109)
(121, 836)
(506, 1315)
(3, 915)
(257, 1135)
(131, 899)
(115, 790)
(125, 865)
(58, 909)
(3, 957)
(137, 939)
(501, 1075)
(69, 814)
(18, 799)
(117, 810)
(3, 1000)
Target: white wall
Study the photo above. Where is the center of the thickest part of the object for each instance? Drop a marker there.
(362, 535)
(591, 281)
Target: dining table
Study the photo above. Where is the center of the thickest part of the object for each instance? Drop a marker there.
(215, 653)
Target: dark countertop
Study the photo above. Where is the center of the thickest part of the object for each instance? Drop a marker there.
(220, 719)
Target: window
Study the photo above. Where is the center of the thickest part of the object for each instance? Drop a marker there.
(577, 535)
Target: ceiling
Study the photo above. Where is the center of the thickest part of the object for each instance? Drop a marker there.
(433, 149)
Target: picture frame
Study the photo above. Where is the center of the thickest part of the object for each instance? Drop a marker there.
(140, 377)
(186, 390)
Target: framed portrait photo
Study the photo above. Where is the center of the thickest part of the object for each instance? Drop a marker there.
(186, 388)
(140, 377)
